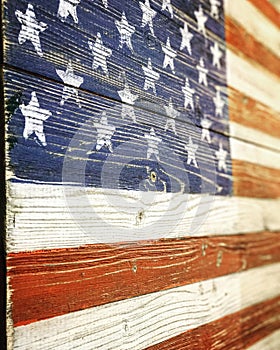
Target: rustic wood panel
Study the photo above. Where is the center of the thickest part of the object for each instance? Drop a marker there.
(102, 274)
(130, 323)
(270, 342)
(237, 331)
(268, 10)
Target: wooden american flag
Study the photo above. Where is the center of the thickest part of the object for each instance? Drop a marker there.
(142, 174)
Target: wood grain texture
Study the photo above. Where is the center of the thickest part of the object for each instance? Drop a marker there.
(243, 43)
(102, 274)
(150, 319)
(253, 180)
(268, 10)
(59, 221)
(236, 331)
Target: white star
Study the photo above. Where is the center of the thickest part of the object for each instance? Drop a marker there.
(188, 92)
(148, 15)
(172, 114)
(126, 30)
(221, 155)
(166, 5)
(150, 77)
(219, 103)
(68, 7)
(186, 38)
(191, 148)
(128, 99)
(100, 54)
(170, 54)
(215, 8)
(30, 28)
(34, 118)
(153, 142)
(69, 78)
(201, 20)
(202, 72)
(217, 55)
(105, 3)
(205, 135)
(104, 133)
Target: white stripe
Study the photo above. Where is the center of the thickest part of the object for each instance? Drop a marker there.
(146, 320)
(39, 216)
(254, 136)
(255, 23)
(253, 80)
(271, 342)
(254, 154)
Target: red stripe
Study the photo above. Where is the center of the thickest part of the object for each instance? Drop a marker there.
(253, 180)
(54, 282)
(242, 42)
(268, 10)
(243, 107)
(236, 331)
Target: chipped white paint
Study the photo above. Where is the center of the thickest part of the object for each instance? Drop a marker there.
(125, 30)
(215, 4)
(202, 72)
(201, 19)
(118, 325)
(217, 55)
(128, 99)
(166, 5)
(34, 118)
(218, 102)
(153, 141)
(172, 114)
(68, 77)
(66, 8)
(104, 133)
(169, 55)
(188, 94)
(186, 38)
(205, 134)
(150, 77)
(191, 148)
(148, 15)
(30, 28)
(221, 156)
(100, 54)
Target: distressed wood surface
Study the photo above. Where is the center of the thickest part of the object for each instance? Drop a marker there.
(130, 323)
(270, 342)
(236, 331)
(38, 279)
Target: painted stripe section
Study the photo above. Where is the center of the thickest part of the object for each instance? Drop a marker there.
(48, 217)
(236, 331)
(242, 42)
(150, 319)
(101, 274)
(253, 80)
(250, 153)
(242, 108)
(268, 10)
(254, 22)
(254, 136)
(271, 342)
(255, 180)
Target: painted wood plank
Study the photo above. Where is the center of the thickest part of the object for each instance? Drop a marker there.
(243, 43)
(253, 180)
(147, 320)
(65, 216)
(243, 107)
(255, 22)
(102, 274)
(271, 342)
(268, 10)
(235, 331)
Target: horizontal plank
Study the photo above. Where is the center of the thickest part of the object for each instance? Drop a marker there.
(255, 22)
(268, 10)
(251, 180)
(235, 331)
(150, 319)
(102, 274)
(242, 107)
(69, 216)
(243, 43)
(270, 342)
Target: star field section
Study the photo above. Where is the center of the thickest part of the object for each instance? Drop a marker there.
(128, 95)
